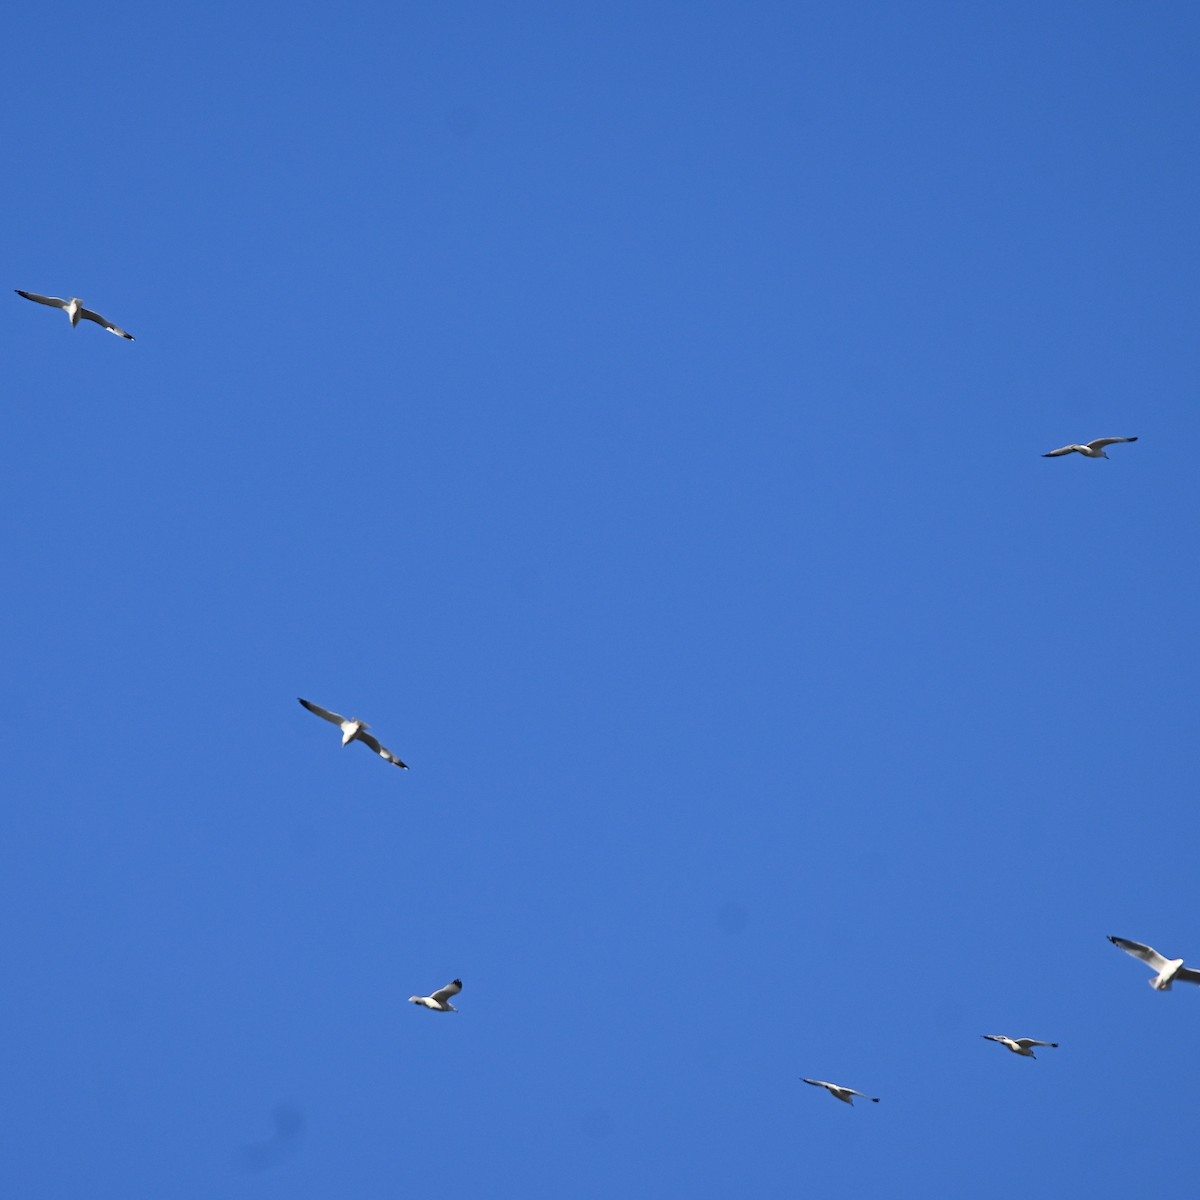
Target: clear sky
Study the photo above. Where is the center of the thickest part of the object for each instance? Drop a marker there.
(635, 412)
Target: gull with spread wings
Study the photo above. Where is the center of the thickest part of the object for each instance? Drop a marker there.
(440, 1000)
(844, 1094)
(75, 310)
(1167, 970)
(1091, 450)
(1021, 1046)
(353, 730)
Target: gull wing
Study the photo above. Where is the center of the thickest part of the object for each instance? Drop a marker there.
(1145, 953)
(820, 1083)
(1063, 450)
(323, 713)
(382, 751)
(444, 994)
(1027, 1042)
(53, 301)
(1187, 975)
(1100, 443)
(88, 315)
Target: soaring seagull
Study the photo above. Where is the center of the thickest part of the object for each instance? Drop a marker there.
(1091, 450)
(440, 1000)
(1167, 970)
(1021, 1046)
(353, 731)
(842, 1093)
(75, 310)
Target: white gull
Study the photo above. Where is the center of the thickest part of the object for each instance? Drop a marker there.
(1167, 970)
(1091, 450)
(1019, 1046)
(440, 1000)
(353, 730)
(75, 310)
(842, 1093)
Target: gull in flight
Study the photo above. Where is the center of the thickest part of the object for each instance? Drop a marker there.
(353, 731)
(1021, 1046)
(1091, 450)
(1167, 970)
(75, 310)
(842, 1093)
(440, 1000)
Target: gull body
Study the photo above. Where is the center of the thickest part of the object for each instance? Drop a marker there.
(353, 730)
(1090, 450)
(844, 1094)
(440, 1000)
(1021, 1046)
(76, 312)
(1167, 970)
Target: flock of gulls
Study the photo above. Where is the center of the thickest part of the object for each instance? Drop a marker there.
(1167, 971)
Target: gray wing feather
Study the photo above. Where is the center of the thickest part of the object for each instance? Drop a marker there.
(53, 301)
(323, 713)
(382, 751)
(88, 315)
(1145, 953)
(1100, 443)
(444, 994)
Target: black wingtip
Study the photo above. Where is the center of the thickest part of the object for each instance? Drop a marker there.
(458, 982)
(874, 1099)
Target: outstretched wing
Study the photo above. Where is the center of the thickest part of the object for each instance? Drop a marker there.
(1027, 1042)
(323, 713)
(53, 301)
(1063, 450)
(88, 315)
(444, 994)
(1100, 443)
(819, 1083)
(1187, 975)
(1145, 953)
(382, 751)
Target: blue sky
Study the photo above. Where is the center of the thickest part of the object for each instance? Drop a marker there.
(636, 413)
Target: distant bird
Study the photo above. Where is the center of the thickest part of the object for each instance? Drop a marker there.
(75, 310)
(842, 1093)
(440, 1000)
(353, 731)
(1169, 970)
(1091, 450)
(1021, 1046)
